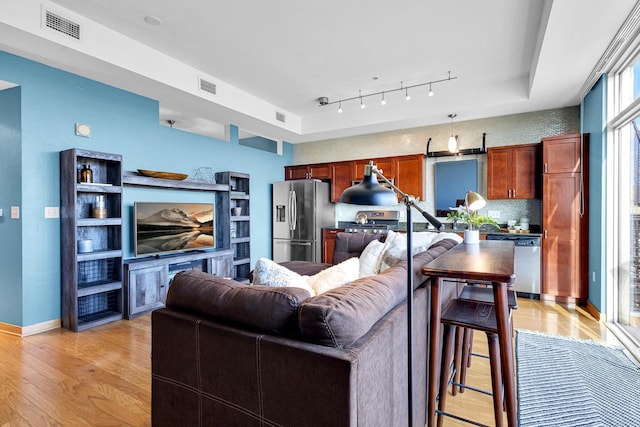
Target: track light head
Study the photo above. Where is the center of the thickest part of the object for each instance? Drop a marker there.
(323, 100)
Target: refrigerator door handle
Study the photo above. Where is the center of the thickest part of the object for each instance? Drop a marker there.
(290, 204)
(294, 209)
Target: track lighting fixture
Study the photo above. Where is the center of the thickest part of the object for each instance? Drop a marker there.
(453, 139)
(323, 100)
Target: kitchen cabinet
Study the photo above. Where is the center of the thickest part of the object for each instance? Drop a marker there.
(341, 178)
(313, 171)
(328, 243)
(562, 155)
(513, 172)
(386, 165)
(564, 228)
(409, 174)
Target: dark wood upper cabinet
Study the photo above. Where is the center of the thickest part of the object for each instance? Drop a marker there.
(513, 172)
(387, 166)
(296, 172)
(407, 172)
(409, 176)
(562, 154)
(315, 171)
(341, 178)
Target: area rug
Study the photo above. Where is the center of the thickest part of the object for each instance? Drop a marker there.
(569, 382)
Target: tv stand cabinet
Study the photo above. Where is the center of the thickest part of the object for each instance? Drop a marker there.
(147, 280)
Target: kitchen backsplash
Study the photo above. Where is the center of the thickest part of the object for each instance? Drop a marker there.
(508, 209)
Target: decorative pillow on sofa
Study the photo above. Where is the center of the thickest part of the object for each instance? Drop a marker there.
(396, 250)
(370, 258)
(338, 275)
(267, 308)
(270, 273)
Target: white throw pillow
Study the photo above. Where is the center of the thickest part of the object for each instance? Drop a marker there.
(335, 276)
(396, 250)
(269, 273)
(370, 258)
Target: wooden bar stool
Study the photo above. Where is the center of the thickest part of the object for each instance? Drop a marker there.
(464, 336)
(475, 316)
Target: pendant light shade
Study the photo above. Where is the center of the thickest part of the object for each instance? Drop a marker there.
(453, 144)
(369, 192)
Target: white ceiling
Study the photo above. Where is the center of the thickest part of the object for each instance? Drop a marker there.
(267, 56)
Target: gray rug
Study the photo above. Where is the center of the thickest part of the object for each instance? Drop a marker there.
(568, 382)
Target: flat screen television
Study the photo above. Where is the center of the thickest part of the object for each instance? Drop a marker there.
(163, 227)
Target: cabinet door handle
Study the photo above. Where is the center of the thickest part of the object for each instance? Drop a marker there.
(545, 168)
(513, 193)
(545, 234)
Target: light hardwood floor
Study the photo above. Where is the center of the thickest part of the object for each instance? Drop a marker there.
(102, 376)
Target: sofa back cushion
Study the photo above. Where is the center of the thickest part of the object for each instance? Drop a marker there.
(349, 245)
(338, 317)
(266, 308)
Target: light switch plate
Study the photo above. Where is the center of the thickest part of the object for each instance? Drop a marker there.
(51, 212)
(15, 212)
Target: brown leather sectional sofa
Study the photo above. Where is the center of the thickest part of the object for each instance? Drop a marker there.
(229, 354)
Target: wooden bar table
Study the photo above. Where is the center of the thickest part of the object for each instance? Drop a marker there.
(488, 261)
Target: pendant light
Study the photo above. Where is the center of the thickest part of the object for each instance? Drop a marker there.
(453, 141)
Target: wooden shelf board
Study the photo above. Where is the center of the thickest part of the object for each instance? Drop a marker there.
(241, 261)
(100, 255)
(134, 179)
(95, 222)
(90, 188)
(96, 319)
(88, 289)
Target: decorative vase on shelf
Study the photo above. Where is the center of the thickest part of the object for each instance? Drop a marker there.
(471, 237)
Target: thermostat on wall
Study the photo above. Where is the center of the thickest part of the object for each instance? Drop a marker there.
(83, 130)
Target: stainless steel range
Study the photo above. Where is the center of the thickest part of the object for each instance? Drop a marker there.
(373, 222)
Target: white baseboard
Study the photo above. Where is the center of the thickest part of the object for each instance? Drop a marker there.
(31, 329)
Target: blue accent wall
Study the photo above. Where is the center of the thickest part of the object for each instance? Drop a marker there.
(50, 102)
(595, 124)
(10, 195)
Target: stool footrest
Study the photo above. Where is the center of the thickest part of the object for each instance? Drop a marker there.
(459, 418)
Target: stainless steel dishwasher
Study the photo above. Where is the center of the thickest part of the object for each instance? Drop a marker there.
(527, 262)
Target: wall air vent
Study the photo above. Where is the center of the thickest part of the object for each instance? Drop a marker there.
(280, 117)
(62, 25)
(207, 86)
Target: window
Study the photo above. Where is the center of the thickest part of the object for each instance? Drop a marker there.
(623, 199)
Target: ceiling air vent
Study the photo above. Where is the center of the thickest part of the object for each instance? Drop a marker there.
(280, 117)
(207, 86)
(62, 25)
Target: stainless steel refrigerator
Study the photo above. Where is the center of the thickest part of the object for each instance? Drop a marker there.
(300, 209)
